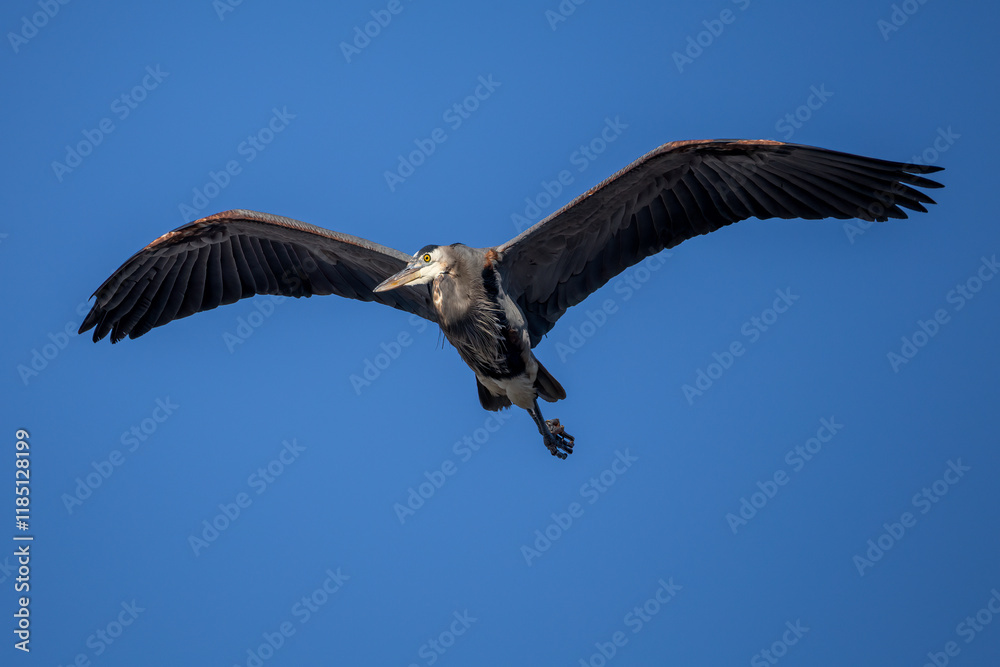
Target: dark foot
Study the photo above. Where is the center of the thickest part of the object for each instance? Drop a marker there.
(559, 442)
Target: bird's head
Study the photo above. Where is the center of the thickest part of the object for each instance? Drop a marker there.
(430, 262)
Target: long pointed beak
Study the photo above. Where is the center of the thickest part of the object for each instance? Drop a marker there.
(407, 275)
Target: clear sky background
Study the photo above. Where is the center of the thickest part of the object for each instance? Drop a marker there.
(135, 447)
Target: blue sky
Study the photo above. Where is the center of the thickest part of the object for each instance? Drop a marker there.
(220, 492)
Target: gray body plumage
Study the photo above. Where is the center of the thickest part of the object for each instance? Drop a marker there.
(488, 329)
(472, 317)
(495, 304)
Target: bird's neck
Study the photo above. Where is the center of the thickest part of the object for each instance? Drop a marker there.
(456, 300)
(474, 321)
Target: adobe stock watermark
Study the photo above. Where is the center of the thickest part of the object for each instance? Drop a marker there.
(362, 36)
(741, 171)
(22, 622)
(592, 490)
(562, 12)
(122, 107)
(37, 21)
(635, 620)
(131, 441)
(454, 116)
(698, 43)
(373, 367)
(796, 460)
(41, 356)
(793, 121)
(259, 481)
(898, 17)
(302, 611)
(253, 145)
(105, 636)
(223, 7)
(583, 156)
(434, 648)
(263, 307)
(968, 629)
(259, 312)
(626, 286)
(752, 330)
(924, 501)
(779, 648)
(944, 140)
(958, 298)
(7, 570)
(464, 450)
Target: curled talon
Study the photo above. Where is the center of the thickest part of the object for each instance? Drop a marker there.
(559, 443)
(559, 430)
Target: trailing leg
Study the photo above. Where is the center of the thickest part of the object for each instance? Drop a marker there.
(559, 442)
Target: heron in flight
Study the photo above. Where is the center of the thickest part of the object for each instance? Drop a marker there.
(495, 304)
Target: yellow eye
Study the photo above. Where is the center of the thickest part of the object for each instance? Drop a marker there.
(426, 257)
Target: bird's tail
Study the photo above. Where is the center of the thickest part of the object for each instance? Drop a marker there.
(491, 401)
(547, 386)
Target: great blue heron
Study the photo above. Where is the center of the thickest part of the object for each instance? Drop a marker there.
(495, 304)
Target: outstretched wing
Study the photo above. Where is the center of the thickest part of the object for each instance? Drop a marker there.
(688, 188)
(233, 255)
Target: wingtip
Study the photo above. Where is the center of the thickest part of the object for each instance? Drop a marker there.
(928, 168)
(88, 322)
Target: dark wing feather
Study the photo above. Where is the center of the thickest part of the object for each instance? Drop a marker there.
(688, 188)
(233, 255)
